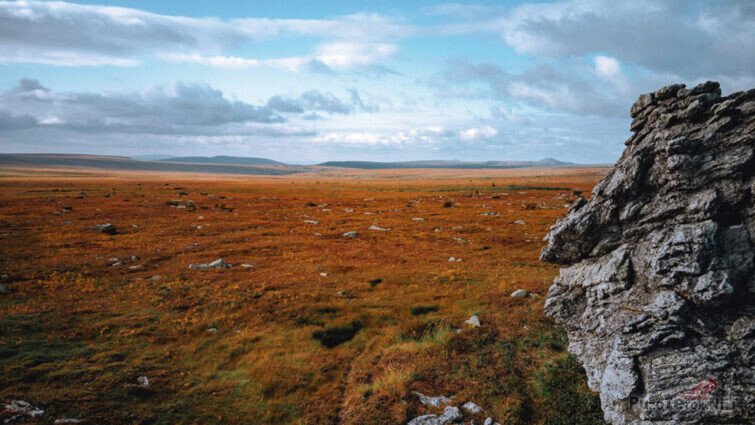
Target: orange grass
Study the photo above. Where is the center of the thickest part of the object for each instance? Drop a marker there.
(76, 332)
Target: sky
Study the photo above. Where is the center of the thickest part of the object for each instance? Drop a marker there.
(305, 81)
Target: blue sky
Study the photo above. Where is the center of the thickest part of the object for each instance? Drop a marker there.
(304, 81)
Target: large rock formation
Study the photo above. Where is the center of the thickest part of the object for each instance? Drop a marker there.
(657, 297)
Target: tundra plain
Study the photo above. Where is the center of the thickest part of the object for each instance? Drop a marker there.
(307, 326)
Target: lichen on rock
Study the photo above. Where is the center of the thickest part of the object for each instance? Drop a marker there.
(657, 295)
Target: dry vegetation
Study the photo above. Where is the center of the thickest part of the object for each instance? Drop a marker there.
(247, 345)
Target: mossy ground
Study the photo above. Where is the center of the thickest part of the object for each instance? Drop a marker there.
(236, 345)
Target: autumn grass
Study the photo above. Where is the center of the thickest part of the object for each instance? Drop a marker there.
(279, 342)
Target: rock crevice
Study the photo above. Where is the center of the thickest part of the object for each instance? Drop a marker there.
(657, 296)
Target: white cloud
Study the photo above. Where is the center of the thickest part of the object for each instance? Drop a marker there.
(69, 34)
(692, 39)
(338, 54)
(346, 53)
(607, 66)
(476, 133)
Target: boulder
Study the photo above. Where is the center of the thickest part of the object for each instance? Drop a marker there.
(658, 289)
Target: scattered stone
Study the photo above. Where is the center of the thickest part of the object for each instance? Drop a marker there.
(450, 414)
(311, 221)
(458, 239)
(62, 421)
(344, 294)
(323, 274)
(143, 382)
(490, 214)
(437, 401)
(217, 264)
(473, 321)
(134, 258)
(247, 266)
(24, 408)
(520, 222)
(212, 330)
(106, 228)
(136, 267)
(418, 219)
(381, 229)
(351, 235)
(489, 421)
(452, 259)
(348, 210)
(520, 293)
(656, 294)
(375, 282)
(471, 408)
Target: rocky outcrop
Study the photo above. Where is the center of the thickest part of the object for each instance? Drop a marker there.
(658, 294)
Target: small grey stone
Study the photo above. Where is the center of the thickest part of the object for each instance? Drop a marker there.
(217, 264)
(520, 293)
(143, 382)
(471, 408)
(473, 321)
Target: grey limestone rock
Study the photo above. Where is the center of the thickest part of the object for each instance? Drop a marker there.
(657, 292)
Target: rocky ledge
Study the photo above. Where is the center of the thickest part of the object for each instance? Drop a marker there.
(657, 295)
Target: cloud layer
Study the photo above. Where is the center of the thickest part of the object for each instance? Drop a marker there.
(521, 80)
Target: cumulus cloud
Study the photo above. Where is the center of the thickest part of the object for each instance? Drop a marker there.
(171, 108)
(316, 101)
(69, 34)
(691, 39)
(474, 133)
(570, 89)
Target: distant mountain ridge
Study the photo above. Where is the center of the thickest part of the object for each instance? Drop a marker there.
(370, 165)
(223, 159)
(125, 163)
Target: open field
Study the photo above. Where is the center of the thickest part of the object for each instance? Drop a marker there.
(307, 326)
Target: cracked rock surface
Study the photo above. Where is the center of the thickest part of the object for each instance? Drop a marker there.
(657, 293)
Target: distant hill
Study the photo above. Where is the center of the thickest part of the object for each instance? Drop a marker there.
(156, 157)
(124, 163)
(221, 159)
(368, 165)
